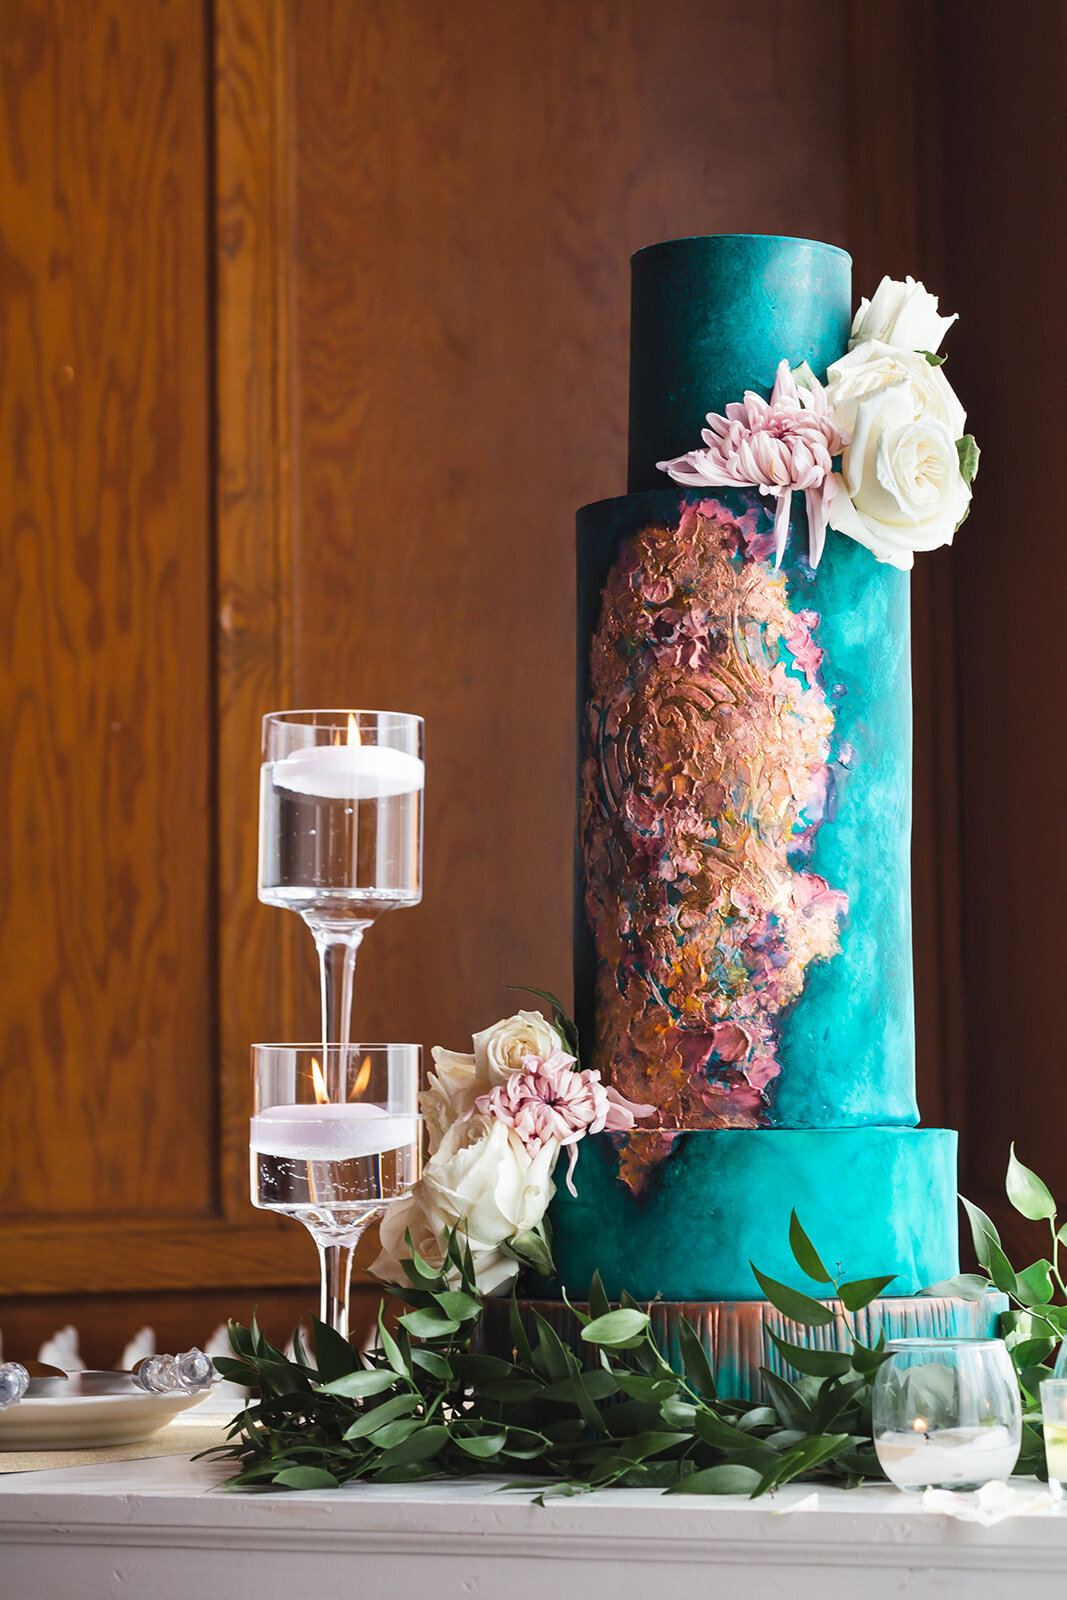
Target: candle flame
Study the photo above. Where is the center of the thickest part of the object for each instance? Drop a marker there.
(920, 1425)
(318, 1078)
(362, 1080)
(353, 729)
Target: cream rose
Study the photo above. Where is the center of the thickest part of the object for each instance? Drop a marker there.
(900, 488)
(901, 314)
(873, 365)
(482, 1177)
(500, 1050)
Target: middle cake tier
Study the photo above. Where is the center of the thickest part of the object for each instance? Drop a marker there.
(874, 1201)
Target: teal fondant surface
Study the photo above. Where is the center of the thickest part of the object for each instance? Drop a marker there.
(875, 1200)
(712, 317)
(846, 1046)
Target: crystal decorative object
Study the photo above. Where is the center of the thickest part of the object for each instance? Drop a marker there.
(14, 1381)
(946, 1413)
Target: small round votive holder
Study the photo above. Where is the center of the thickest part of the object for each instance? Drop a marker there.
(947, 1414)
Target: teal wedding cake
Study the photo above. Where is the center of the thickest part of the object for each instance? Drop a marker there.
(743, 918)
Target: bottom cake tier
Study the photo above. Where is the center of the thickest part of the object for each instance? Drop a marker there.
(874, 1201)
(736, 1337)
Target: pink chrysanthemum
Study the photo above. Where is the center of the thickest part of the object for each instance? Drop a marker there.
(787, 442)
(548, 1099)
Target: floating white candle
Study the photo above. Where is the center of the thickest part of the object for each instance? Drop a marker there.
(950, 1455)
(329, 1132)
(349, 772)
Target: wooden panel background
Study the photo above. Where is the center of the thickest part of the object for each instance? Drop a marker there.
(314, 335)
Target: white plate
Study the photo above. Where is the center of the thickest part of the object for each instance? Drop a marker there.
(86, 1421)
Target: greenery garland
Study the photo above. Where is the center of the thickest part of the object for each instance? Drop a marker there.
(427, 1402)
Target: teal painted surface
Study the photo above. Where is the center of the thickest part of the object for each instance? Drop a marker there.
(847, 1045)
(712, 317)
(877, 1200)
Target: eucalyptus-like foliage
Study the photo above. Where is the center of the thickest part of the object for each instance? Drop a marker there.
(426, 1402)
(1037, 1320)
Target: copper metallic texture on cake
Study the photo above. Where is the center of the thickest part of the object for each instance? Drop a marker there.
(706, 774)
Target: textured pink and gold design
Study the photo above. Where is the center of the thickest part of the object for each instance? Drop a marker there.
(705, 776)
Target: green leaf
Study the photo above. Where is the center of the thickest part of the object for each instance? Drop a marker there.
(805, 1254)
(433, 1363)
(987, 1248)
(815, 1363)
(652, 1391)
(1034, 1285)
(531, 1247)
(378, 1416)
(392, 1351)
(1031, 1352)
(461, 1307)
(551, 1359)
(482, 1446)
(428, 1325)
(695, 1362)
(966, 1286)
(801, 1458)
(419, 1447)
(1031, 1379)
(935, 361)
(867, 1361)
(334, 1356)
(356, 1385)
(723, 1435)
(968, 452)
(235, 1371)
(791, 1303)
(724, 1479)
(306, 1478)
(393, 1433)
(1027, 1193)
(854, 1296)
(519, 1338)
(618, 1330)
(599, 1304)
(793, 1410)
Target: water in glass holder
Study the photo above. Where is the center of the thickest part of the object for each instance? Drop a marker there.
(335, 1138)
(946, 1413)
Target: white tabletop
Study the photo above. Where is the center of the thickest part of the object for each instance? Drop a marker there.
(165, 1529)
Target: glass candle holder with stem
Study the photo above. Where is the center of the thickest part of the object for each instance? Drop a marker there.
(340, 832)
(946, 1413)
(335, 1139)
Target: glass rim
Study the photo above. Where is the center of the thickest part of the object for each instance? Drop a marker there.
(353, 1045)
(298, 718)
(947, 1343)
(1053, 1383)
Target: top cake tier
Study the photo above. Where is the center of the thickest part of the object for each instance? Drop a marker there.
(712, 317)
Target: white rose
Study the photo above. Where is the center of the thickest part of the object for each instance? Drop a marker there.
(872, 366)
(482, 1177)
(900, 488)
(499, 1050)
(902, 314)
(450, 1093)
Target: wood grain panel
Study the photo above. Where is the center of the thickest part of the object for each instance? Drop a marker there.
(1005, 210)
(470, 182)
(106, 944)
(897, 228)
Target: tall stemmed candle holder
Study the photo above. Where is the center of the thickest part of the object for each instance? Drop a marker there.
(334, 1162)
(340, 841)
(340, 832)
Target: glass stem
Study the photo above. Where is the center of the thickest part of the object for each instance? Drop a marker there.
(335, 1261)
(337, 967)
